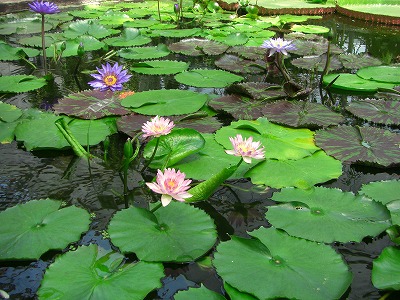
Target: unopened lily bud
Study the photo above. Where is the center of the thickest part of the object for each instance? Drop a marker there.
(81, 50)
(63, 46)
(128, 148)
(176, 8)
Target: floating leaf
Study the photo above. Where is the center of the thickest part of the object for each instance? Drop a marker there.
(144, 52)
(114, 18)
(90, 44)
(41, 227)
(354, 61)
(198, 293)
(327, 215)
(301, 114)
(352, 82)
(197, 47)
(360, 145)
(24, 27)
(316, 63)
(177, 232)
(251, 53)
(238, 65)
(10, 53)
(177, 33)
(129, 37)
(386, 269)
(258, 90)
(8, 112)
(140, 23)
(165, 102)
(309, 28)
(378, 111)
(20, 83)
(95, 274)
(174, 147)
(232, 39)
(302, 173)
(281, 271)
(387, 74)
(207, 78)
(7, 132)
(238, 107)
(87, 27)
(91, 104)
(160, 67)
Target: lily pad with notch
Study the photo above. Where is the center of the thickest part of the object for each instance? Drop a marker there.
(327, 215)
(129, 37)
(20, 83)
(207, 78)
(160, 67)
(150, 52)
(352, 82)
(236, 64)
(361, 145)
(258, 90)
(198, 47)
(386, 74)
(88, 27)
(163, 235)
(41, 227)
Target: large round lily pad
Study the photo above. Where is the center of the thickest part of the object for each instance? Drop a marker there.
(352, 82)
(207, 78)
(327, 215)
(160, 67)
(20, 83)
(366, 145)
(28, 230)
(285, 267)
(92, 273)
(389, 74)
(386, 269)
(198, 47)
(177, 232)
(150, 52)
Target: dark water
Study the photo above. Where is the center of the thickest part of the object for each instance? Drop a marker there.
(237, 207)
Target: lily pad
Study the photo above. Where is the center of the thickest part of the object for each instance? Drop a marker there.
(198, 293)
(364, 145)
(41, 227)
(176, 33)
(386, 269)
(90, 44)
(87, 27)
(207, 78)
(160, 67)
(258, 90)
(24, 27)
(20, 83)
(301, 114)
(282, 272)
(236, 64)
(91, 104)
(114, 18)
(8, 112)
(354, 61)
(316, 29)
(316, 63)
(168, 235)
(198, 47)
(130, 37)
(10, 53)
(378, 111)
(251, 53)
(232, 39)
(387, 74)
(165, 102)
(352, 82)
(327, 215)
(144, 52)
(99, 274)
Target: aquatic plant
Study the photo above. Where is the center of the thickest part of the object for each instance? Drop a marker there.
(246, 148)
(109, 77)
(157, 127)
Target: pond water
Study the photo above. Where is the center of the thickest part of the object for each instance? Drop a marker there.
(237, 207)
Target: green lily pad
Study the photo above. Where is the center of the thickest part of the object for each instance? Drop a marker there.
(98, 274)
(140, 23)
(364, 145)
(144, 52)
(8, 112)
(207, 78)
(87, 27)
(198, 47)
(169, 234)
(10, 53)
(386, 269)
(232, 39)
(7, 132)
(316, 29)
(301, 114)
(236, 294)
(160, 67)
(174, 147)
(327, 215)
(378, 111)
(20, 83)
(236, 64)
(165, 102)
(352, 82)
(130, 37)
(91, 104)
(114, 18)
(90, 44)
(24, 27)
(176, 33)
(198, 293)
(303, 173)
(387, 74)
(41, 227)
(312, 271)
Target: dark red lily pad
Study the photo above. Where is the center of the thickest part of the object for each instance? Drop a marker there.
(92, 104)
(131, 124)
(378, 111)
(316, 62)
(252, 53)
(239, 65)
(258, 90)
(301, 114)
(198, 47)
(363, 145)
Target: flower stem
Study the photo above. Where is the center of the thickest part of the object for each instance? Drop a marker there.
(44, 48)
(152, 155)
(156, 207)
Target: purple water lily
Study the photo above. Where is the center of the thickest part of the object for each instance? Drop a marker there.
(44, 8)
(109, 78)
(278, 45)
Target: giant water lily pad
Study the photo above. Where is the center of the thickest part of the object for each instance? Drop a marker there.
(302, 173)
(144, 52)
(91, 104)
(177, 232)
(386, 269)
(236, 64)
(160, 67)
(165, 102)
(286, 267)
(175, 146)
(198, 47)
(301, 114)
(20, 83)
(207, 78)
(388, 74)
(128, 38)
(327, 215)
(366, 145)
(41, 227)
(95, 273)
(352, 82)
(378, 111)
(280, 142)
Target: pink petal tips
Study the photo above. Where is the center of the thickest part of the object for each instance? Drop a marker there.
(157, 126)
(246, 148)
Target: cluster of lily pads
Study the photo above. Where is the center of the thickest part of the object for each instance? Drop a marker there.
(289, 145)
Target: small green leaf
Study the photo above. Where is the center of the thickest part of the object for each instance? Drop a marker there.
(386, 269)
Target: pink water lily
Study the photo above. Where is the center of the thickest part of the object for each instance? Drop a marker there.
(278, 45)
(157, 126)
(171, 185)
(246, 148)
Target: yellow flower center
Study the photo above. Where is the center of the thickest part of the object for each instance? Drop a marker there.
(110, 80)
(171, 184)
(245, 149)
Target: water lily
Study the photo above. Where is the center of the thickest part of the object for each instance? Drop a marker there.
(157, 127)
(109, 78)
(278, 45)
(172, 185)
(246, 148)
(44, 8)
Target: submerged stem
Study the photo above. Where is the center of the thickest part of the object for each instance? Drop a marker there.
(44, 47)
